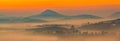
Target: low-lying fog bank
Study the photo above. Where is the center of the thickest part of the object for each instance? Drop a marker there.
(17, 32)
(29, 25)
(25, 36)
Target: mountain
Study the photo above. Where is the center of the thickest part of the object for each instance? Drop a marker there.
(49, 15)
(86, 16)
(6, 19)
(115, 15)
(30, 20)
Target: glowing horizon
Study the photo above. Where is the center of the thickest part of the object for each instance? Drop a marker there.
(28, 7)
(16, 4)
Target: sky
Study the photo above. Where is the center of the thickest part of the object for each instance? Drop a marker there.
(65, 7)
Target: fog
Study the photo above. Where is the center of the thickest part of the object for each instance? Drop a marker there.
(17, 32)
(17, 35)
(25, 36)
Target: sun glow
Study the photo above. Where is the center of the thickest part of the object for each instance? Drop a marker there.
(53, 3)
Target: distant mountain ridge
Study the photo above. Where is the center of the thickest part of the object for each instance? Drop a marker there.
(50, 14)
(6, 19)
(86, 16)
(47, 15)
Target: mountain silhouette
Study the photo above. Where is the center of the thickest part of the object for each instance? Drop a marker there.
(53, 15)
(25, 20)
(49, 15)
(86, 16)
(6, 19)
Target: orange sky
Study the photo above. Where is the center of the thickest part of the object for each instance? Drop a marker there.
(53, 3)
(64, 6)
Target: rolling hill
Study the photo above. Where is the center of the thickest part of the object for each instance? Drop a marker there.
(105, 25)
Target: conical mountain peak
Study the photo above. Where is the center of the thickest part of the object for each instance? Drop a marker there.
(49, 10)
(50, 13)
